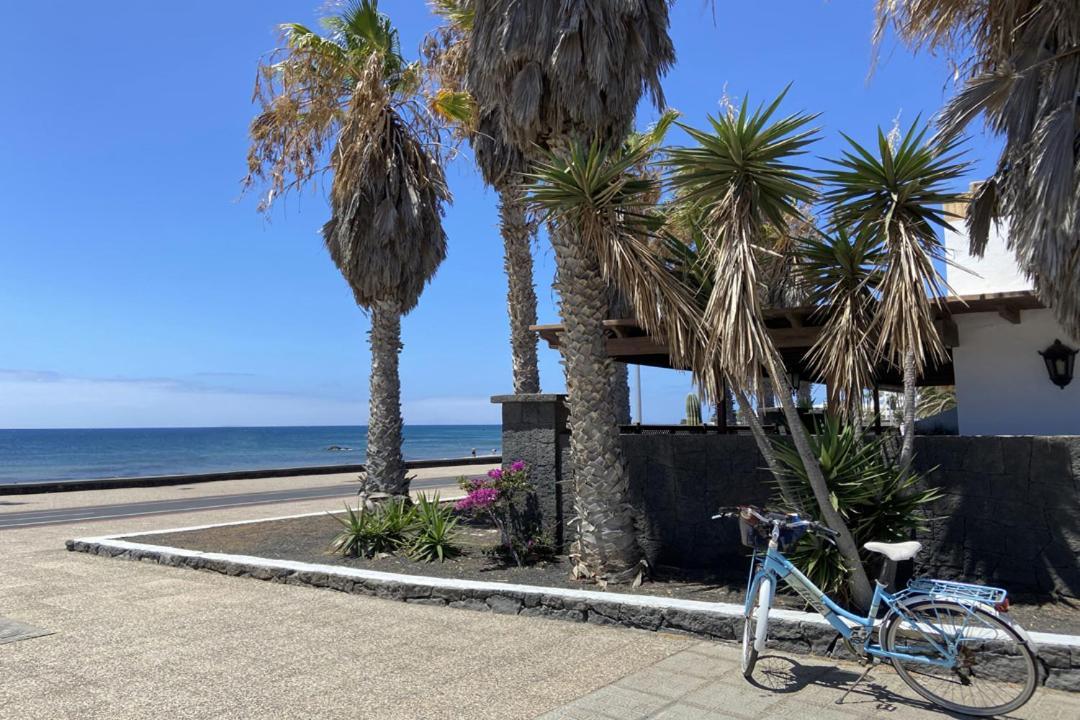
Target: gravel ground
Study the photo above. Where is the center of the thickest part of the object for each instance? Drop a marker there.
(307, 539)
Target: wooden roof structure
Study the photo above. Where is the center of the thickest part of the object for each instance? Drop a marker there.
(794, 330)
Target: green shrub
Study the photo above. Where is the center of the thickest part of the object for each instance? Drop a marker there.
(368, 532)
(436, 531)
(875, 499)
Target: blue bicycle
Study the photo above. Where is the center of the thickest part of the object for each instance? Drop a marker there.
(951, 642)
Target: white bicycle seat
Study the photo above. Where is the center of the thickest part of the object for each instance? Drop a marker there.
(895, 551)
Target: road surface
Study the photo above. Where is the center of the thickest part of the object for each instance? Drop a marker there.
(59, 516)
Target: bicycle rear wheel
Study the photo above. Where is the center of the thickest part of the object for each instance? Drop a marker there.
(993, 670)
(756, 626)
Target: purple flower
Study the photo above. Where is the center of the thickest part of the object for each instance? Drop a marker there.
(478, 499)
(495, 474)
(517, 466)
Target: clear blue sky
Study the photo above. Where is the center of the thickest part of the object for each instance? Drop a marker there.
(137, 288)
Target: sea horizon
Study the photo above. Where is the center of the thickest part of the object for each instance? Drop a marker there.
(45, 454)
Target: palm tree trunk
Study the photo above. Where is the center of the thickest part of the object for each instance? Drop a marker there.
(606, 546)
(765, 447)
(521, 295)
(620, 392)
(857, 580)
(907, 447)
(384, 467)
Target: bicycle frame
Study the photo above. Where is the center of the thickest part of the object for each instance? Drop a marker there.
(779, 567)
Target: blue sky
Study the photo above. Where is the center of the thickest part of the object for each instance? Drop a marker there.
(139, 289)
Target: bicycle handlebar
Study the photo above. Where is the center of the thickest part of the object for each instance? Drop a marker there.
(776, 518)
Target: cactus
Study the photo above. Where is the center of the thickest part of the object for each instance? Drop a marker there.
(693, 410)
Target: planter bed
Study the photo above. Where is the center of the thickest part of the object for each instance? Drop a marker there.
(293, 550)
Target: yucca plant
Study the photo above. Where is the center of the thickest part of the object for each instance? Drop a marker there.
(742, 183)
(894, 193)
(435, 532)
(841, 272)
(879, 500)
(367, 532)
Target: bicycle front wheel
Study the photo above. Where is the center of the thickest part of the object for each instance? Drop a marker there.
(990, 670)
(756, 626)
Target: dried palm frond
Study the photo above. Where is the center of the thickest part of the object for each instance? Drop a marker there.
(345, 103)
(738, 180)
(547, 71)
(896, 195)
(599, 192)
(1020, 65)
(842, 272)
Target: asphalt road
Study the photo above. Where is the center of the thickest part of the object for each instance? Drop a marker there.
(164, 507)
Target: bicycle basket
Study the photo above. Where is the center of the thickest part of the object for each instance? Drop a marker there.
(755, 534)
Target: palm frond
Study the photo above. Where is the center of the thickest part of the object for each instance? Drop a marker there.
(738, 179)
(896, 195)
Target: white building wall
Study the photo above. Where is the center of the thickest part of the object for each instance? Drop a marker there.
(1002, 387)
(995, 272)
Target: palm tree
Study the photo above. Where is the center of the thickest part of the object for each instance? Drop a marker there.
(549, 75)
(501, 165)
(895, 195)
(1020, 60)
(841, 273)
(345, 102)
(740, 176)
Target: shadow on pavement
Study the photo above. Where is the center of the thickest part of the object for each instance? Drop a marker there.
(784, 675)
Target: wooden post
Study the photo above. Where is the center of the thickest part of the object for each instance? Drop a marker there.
(877, 410)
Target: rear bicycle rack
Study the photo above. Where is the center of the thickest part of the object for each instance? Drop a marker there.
(958, 591)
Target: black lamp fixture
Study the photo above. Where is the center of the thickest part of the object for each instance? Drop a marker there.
(795, 378)
(1060, 361)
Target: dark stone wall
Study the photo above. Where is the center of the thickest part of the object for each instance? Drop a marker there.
(1009, 513)
(677, 482)
(534, 430)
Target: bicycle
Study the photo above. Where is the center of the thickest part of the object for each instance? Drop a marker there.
(951, 642)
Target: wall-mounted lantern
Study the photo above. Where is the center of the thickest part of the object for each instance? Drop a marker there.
(1060, 361)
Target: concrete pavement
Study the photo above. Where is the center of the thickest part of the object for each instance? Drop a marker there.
(136, 640)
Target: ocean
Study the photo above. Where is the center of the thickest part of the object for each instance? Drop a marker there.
(37, 455)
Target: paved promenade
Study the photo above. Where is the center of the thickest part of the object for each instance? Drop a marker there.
(135, 640)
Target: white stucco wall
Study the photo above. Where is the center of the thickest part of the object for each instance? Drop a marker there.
(995, 272)
(1002, 387)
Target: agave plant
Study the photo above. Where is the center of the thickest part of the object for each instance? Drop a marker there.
(878, 499)
(367, 532)
(346, 103)
(436, 531)
(1020, 64)
(895, 195)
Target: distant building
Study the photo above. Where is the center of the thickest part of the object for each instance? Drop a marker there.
(1003, 386)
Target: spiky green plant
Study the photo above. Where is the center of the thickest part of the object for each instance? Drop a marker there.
(366, 532)
(693, 410)
(878, 500)
(435, 533)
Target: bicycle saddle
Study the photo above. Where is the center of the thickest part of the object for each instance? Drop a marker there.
(895, 551)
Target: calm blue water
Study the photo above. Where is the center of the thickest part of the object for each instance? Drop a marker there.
(33, 455)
